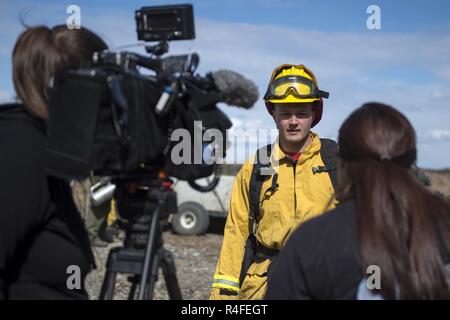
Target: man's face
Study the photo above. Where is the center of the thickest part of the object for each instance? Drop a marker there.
(293, 121)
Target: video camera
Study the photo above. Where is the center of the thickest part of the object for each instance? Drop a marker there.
(110, 119)
(137, 130)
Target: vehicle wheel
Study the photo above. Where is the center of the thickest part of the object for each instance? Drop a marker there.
(191, 219)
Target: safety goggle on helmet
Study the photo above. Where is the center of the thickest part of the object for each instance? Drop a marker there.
(293, 83)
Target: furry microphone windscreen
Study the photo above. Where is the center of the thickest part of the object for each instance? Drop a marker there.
(236, 90)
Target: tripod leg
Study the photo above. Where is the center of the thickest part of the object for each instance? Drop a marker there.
(150, 288)
(170, 275)
(149, 253)
(134, 282)
(107, 291)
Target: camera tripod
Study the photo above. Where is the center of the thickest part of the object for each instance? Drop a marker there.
(143, 253)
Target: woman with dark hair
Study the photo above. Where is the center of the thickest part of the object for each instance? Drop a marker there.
(44, 249)
(388, 221)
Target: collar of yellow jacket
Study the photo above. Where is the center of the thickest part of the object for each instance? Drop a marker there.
(306, 154)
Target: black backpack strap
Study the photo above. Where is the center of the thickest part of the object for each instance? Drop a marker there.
(328, 153)
(256, 181)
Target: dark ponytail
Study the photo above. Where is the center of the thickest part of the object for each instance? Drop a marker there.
(403, 228)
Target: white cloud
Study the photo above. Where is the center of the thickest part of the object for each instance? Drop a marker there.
(436, 134)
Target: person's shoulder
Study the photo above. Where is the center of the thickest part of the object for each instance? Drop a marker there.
(321, 237)
(22, 163)
(12, 110)
(321, 226)
(16, 116)
(341, 214)
(22, 137)
(327, 143)
(245, 171)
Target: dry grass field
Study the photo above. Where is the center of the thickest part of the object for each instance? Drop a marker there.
(440, 181)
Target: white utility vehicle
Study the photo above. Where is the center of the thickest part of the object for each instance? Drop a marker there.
(195, 208)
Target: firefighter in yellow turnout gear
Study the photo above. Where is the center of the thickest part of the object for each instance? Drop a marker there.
(301, 187)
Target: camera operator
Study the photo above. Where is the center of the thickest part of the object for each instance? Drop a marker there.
(41, 231)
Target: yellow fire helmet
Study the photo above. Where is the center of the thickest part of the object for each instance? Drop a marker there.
(294, 84)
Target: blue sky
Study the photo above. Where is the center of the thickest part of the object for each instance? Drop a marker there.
(405, 64)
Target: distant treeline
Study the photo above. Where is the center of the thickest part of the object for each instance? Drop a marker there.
(440, 171)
